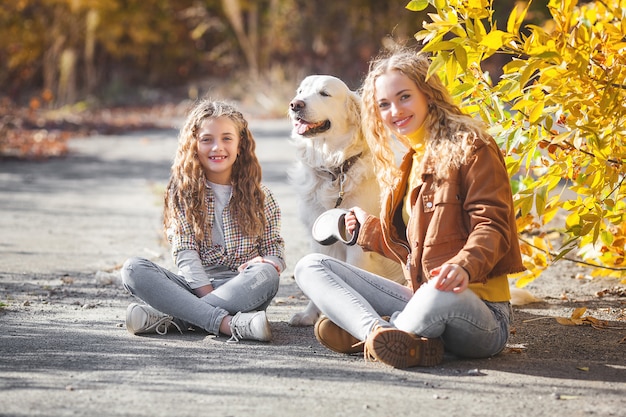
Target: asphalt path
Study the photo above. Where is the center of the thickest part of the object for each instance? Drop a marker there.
(68, 224)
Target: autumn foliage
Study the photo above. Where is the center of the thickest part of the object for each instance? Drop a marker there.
(99, 48)
(558, 112)
(62, 59)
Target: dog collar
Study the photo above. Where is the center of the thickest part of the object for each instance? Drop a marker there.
(339, 173)
(336, 172)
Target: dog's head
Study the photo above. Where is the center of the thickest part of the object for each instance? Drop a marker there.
(324, 104)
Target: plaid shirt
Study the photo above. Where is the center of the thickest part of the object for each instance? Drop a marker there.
(239, 247)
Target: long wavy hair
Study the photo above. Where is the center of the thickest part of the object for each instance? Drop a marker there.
(449, 132)
(187, 189)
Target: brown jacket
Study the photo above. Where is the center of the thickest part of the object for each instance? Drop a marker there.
(467, 220)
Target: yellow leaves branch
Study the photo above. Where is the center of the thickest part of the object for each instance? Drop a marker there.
(556, 256)
(557, 112)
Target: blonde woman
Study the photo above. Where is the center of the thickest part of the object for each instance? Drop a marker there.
(224, 229)
(447, 216)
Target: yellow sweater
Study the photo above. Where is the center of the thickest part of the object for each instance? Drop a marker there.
(418, 144)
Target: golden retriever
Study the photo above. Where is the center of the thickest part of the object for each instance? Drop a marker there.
(334, 169)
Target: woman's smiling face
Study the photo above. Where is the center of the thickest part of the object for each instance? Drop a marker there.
(218, 145)
(402, 106)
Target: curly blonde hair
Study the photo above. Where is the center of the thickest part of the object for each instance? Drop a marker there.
(449, 131)
(186, 190)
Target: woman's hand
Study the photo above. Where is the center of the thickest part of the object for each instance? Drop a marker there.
(356, 215)
(450, 277)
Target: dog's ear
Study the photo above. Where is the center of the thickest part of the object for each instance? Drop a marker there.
(353, 106)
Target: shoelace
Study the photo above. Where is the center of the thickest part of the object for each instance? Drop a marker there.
(367, 355)
(235, 334)
(358, 344)
(164, 323)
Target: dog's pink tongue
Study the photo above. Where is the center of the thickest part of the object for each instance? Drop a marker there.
(302, 127)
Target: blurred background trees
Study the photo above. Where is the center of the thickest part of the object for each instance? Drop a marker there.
(64, 51)
(69, 66)
(70, 50)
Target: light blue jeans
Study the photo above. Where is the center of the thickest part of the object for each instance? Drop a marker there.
(252, 289)
(355, 300)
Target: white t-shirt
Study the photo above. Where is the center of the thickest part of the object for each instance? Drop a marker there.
(222, 195)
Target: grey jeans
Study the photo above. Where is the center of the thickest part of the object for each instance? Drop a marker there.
(252, 289)
(355, 300)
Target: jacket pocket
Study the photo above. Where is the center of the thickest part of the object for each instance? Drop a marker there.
(447, 221)
(437, 255)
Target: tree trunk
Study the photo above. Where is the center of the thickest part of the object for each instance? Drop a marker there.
(92, 20)
(67, 77)
(232, 9)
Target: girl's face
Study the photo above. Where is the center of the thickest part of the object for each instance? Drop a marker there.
(218, 144)
(402, 106)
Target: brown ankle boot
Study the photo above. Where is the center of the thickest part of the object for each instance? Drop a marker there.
(335, 338)
(401, 349)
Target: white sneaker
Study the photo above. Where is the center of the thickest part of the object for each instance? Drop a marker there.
(250, 326)
(141, 318)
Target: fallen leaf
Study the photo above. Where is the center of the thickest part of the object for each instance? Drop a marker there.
(578, 313)
(616, 291)
(596, 323)
(565, 321)
(577, 319)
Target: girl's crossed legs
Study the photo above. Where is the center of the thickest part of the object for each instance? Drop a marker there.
(252, 289)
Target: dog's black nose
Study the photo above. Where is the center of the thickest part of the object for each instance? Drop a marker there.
(296, 105)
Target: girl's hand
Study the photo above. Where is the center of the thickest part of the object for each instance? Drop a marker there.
(258, 260)
(255, 260)
(450, 277)
(356, 215)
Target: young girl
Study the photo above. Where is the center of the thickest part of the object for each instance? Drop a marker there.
(224, 228)
(447, 216)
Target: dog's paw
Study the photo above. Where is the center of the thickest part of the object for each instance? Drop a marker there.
(303, 319)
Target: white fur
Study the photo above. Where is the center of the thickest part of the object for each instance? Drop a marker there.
(323, 98)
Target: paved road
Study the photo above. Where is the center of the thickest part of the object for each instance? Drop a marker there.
(64, 351)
